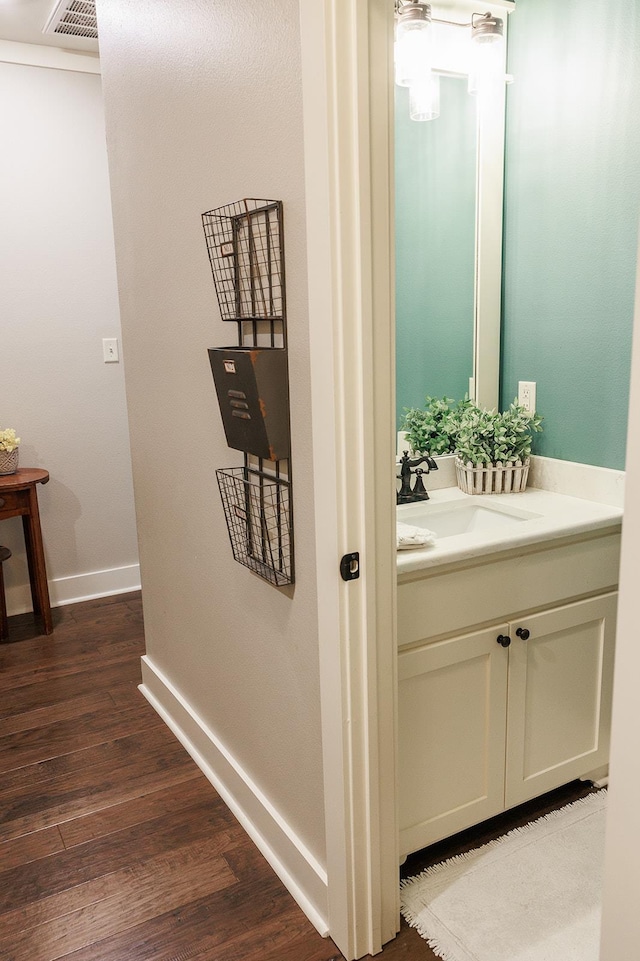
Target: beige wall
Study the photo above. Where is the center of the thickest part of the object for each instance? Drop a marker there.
(58, 299)
(204, 108)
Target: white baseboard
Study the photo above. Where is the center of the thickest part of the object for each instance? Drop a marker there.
(303, 876)
(78, 587)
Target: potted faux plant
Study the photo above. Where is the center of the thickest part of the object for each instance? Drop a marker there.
(493, 449)
(433, 429)
(9, 445)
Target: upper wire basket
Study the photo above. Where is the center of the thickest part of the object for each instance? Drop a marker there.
(245, 244)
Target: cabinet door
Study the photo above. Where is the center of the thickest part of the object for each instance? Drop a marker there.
(451, 706)
(560, 686)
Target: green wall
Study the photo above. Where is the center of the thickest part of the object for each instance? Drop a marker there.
(435, 242)
(572, 203)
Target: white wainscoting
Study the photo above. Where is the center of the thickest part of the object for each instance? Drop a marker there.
(303, 876)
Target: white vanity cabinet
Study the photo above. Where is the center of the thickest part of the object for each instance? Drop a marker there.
(452, 698)
(560, 682)
(500, 711)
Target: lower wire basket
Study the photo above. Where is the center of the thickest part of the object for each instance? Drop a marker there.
(257, 508)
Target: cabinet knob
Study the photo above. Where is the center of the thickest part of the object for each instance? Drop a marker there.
(523, 633)
(503, 640)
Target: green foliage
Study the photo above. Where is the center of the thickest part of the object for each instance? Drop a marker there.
(433, 430)
(487, 437)
(478, 436)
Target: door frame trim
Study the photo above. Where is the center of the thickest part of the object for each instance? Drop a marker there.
(346, 70)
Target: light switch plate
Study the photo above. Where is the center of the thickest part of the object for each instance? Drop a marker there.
(110, 353)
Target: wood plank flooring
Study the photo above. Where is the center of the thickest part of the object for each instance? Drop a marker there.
(113, 845)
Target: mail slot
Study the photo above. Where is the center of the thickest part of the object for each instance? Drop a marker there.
(253, 393)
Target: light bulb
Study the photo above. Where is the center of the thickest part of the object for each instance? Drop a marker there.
(424, 98)
(413, 44)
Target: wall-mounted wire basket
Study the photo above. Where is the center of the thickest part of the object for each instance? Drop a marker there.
(257, 510)
(245, 244)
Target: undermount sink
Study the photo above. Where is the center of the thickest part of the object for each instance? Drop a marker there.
(463, 518)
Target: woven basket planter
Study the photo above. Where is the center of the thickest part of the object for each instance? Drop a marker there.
(9, 461)
(510, 478)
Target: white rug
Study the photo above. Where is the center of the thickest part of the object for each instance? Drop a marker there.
(532, 895)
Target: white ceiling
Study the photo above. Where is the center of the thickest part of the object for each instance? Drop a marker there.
(24, 21)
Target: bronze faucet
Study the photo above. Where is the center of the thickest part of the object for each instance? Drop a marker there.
(407, 494)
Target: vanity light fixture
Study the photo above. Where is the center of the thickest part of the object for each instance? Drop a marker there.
(424, 98)
(487, 42)
(414, 55)
(413, 43)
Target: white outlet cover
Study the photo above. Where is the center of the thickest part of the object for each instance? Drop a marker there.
(527, 394)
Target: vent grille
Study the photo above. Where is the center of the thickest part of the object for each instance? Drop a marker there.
(76, 18)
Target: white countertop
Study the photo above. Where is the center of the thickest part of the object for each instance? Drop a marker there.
(553, 516)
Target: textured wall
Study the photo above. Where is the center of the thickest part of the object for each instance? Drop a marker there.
(58, 299)
(435, 191)
(203, 107)
(572, 203)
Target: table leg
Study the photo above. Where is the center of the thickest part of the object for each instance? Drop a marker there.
(33, 576)
(4, 624)
(35, 560)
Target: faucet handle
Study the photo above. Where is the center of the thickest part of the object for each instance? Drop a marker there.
(419, 488)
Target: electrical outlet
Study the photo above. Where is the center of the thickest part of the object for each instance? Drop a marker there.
(110, 353)
(527, 394)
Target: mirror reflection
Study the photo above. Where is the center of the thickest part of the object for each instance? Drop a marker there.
(435, 195)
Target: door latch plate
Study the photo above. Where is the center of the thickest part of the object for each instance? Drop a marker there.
(350, 566)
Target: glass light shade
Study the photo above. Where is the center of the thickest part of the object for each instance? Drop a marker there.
(487, 61)
(424, 98)
(412, 51)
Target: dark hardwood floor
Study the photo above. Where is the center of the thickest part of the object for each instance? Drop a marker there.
(113, 845)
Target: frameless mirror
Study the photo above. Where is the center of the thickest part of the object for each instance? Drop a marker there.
(435, 210)
(448, 202)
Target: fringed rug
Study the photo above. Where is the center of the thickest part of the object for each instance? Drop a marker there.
(532, 895)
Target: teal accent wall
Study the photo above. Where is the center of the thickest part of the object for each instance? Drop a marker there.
(572, 205)
(435, 247)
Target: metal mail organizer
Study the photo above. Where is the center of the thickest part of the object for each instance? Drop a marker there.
(245, 243)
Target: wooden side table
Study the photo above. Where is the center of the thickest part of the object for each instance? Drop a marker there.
(19, 498)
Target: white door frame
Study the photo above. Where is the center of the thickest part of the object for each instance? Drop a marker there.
(346, 78)
(620, 918)
(346, 68)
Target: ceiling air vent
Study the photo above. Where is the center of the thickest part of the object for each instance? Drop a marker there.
(74, 18)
